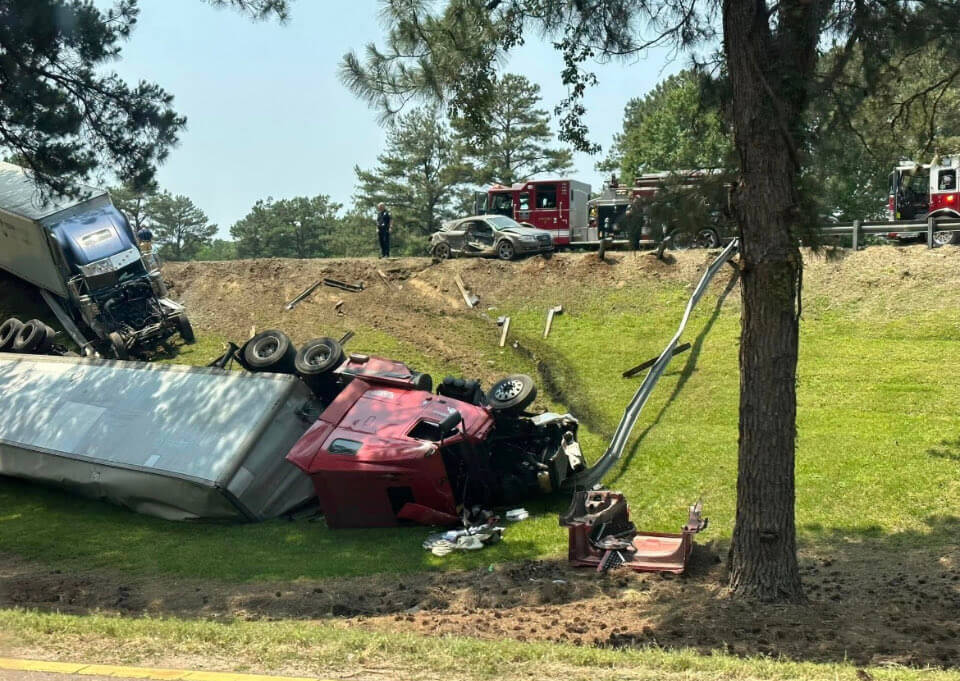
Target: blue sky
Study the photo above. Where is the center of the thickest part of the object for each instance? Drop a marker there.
(267, 115)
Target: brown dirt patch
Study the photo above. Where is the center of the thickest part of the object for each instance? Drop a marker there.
(865, 607)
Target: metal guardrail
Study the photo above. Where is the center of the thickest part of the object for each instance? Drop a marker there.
(598, 471)
(858, 227)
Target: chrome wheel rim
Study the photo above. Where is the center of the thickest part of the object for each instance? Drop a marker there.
(317, 356)
(266, 348)
(509, 389)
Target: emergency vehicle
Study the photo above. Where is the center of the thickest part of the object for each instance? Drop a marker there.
(556, 206)
(608, 211)
(918, 191)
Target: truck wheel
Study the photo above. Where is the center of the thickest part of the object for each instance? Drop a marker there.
(8, 333)
(118, 345)
(513, 393)
(946, 238)
(680, 240)
(505, 250)
(707, 238)
(270, 351)
(318, 357)
(186, 330)
(34, 336)
(441, 251)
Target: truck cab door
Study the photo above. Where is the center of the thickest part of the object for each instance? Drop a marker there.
(479, 203)
(546, 213)
(501, 203)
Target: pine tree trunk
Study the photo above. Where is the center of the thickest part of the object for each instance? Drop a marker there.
(763, 562)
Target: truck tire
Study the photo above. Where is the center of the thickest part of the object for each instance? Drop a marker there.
(945, 238)
(186, 330)
(118, 346)
(513, 393)
(707, 238)
(318, 357)
(8, 333)
(270, 351)
(34, 336)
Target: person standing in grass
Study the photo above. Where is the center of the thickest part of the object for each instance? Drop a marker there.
(383, 229)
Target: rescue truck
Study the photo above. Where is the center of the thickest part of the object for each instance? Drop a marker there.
(609, 216)
(557, 206)
(920, 191)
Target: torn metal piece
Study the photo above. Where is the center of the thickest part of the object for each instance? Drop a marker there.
(601, 536)
(504, 328)
(551, 313)
(338, 308)
(343, 285)
(346, 337)
(386, 280)
(650, 362)
(303, 295)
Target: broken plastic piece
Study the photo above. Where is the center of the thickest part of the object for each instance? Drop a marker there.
(517, 514)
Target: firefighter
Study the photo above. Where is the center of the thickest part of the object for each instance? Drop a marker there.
(145, 237)
(383, 229)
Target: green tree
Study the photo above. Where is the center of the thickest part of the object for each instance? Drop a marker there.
(289, 228)
(417, 176)
(770, 53)
(62, 113)
(670, 128)
(133, 203)
(512, 144)
(355, 236)
(180, 229)
(218, 249)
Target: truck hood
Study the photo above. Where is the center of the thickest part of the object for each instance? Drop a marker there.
(88, 237)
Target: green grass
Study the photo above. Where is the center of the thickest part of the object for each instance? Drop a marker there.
(877, 459)
(322, 649)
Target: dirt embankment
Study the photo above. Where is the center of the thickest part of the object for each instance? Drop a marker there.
(865, 606)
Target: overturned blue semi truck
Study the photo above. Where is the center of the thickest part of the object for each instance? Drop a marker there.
(82, 255)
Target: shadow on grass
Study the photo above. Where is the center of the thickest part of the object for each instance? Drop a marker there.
(949, 450)
(688, 368)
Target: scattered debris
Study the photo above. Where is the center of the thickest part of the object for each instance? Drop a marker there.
(504, 324)
(336, 283)
(468, 297)
(303, 295)
(601, 535)
(386, 280)
(517, 514)
(650, 362)
(338, 307)
(551, 313)
(471, 537)
(346, 337)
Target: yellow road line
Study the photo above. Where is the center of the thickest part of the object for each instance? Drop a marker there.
(121, 672)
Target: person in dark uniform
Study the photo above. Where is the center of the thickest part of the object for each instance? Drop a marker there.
(145, 237)
(383, 230)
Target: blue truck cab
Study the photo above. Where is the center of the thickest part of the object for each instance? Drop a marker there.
(82, 252)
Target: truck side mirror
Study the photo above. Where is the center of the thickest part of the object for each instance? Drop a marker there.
(450, 423)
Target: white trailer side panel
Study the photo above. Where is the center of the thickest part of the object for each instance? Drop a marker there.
(176, 442)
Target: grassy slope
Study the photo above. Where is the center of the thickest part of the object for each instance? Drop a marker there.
(878, 411)
(327, 650)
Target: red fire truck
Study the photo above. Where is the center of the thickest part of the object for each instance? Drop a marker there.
(918, 191)
(608, 210)
(557, 206)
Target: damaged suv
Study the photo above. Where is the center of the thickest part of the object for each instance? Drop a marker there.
(387, 449)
